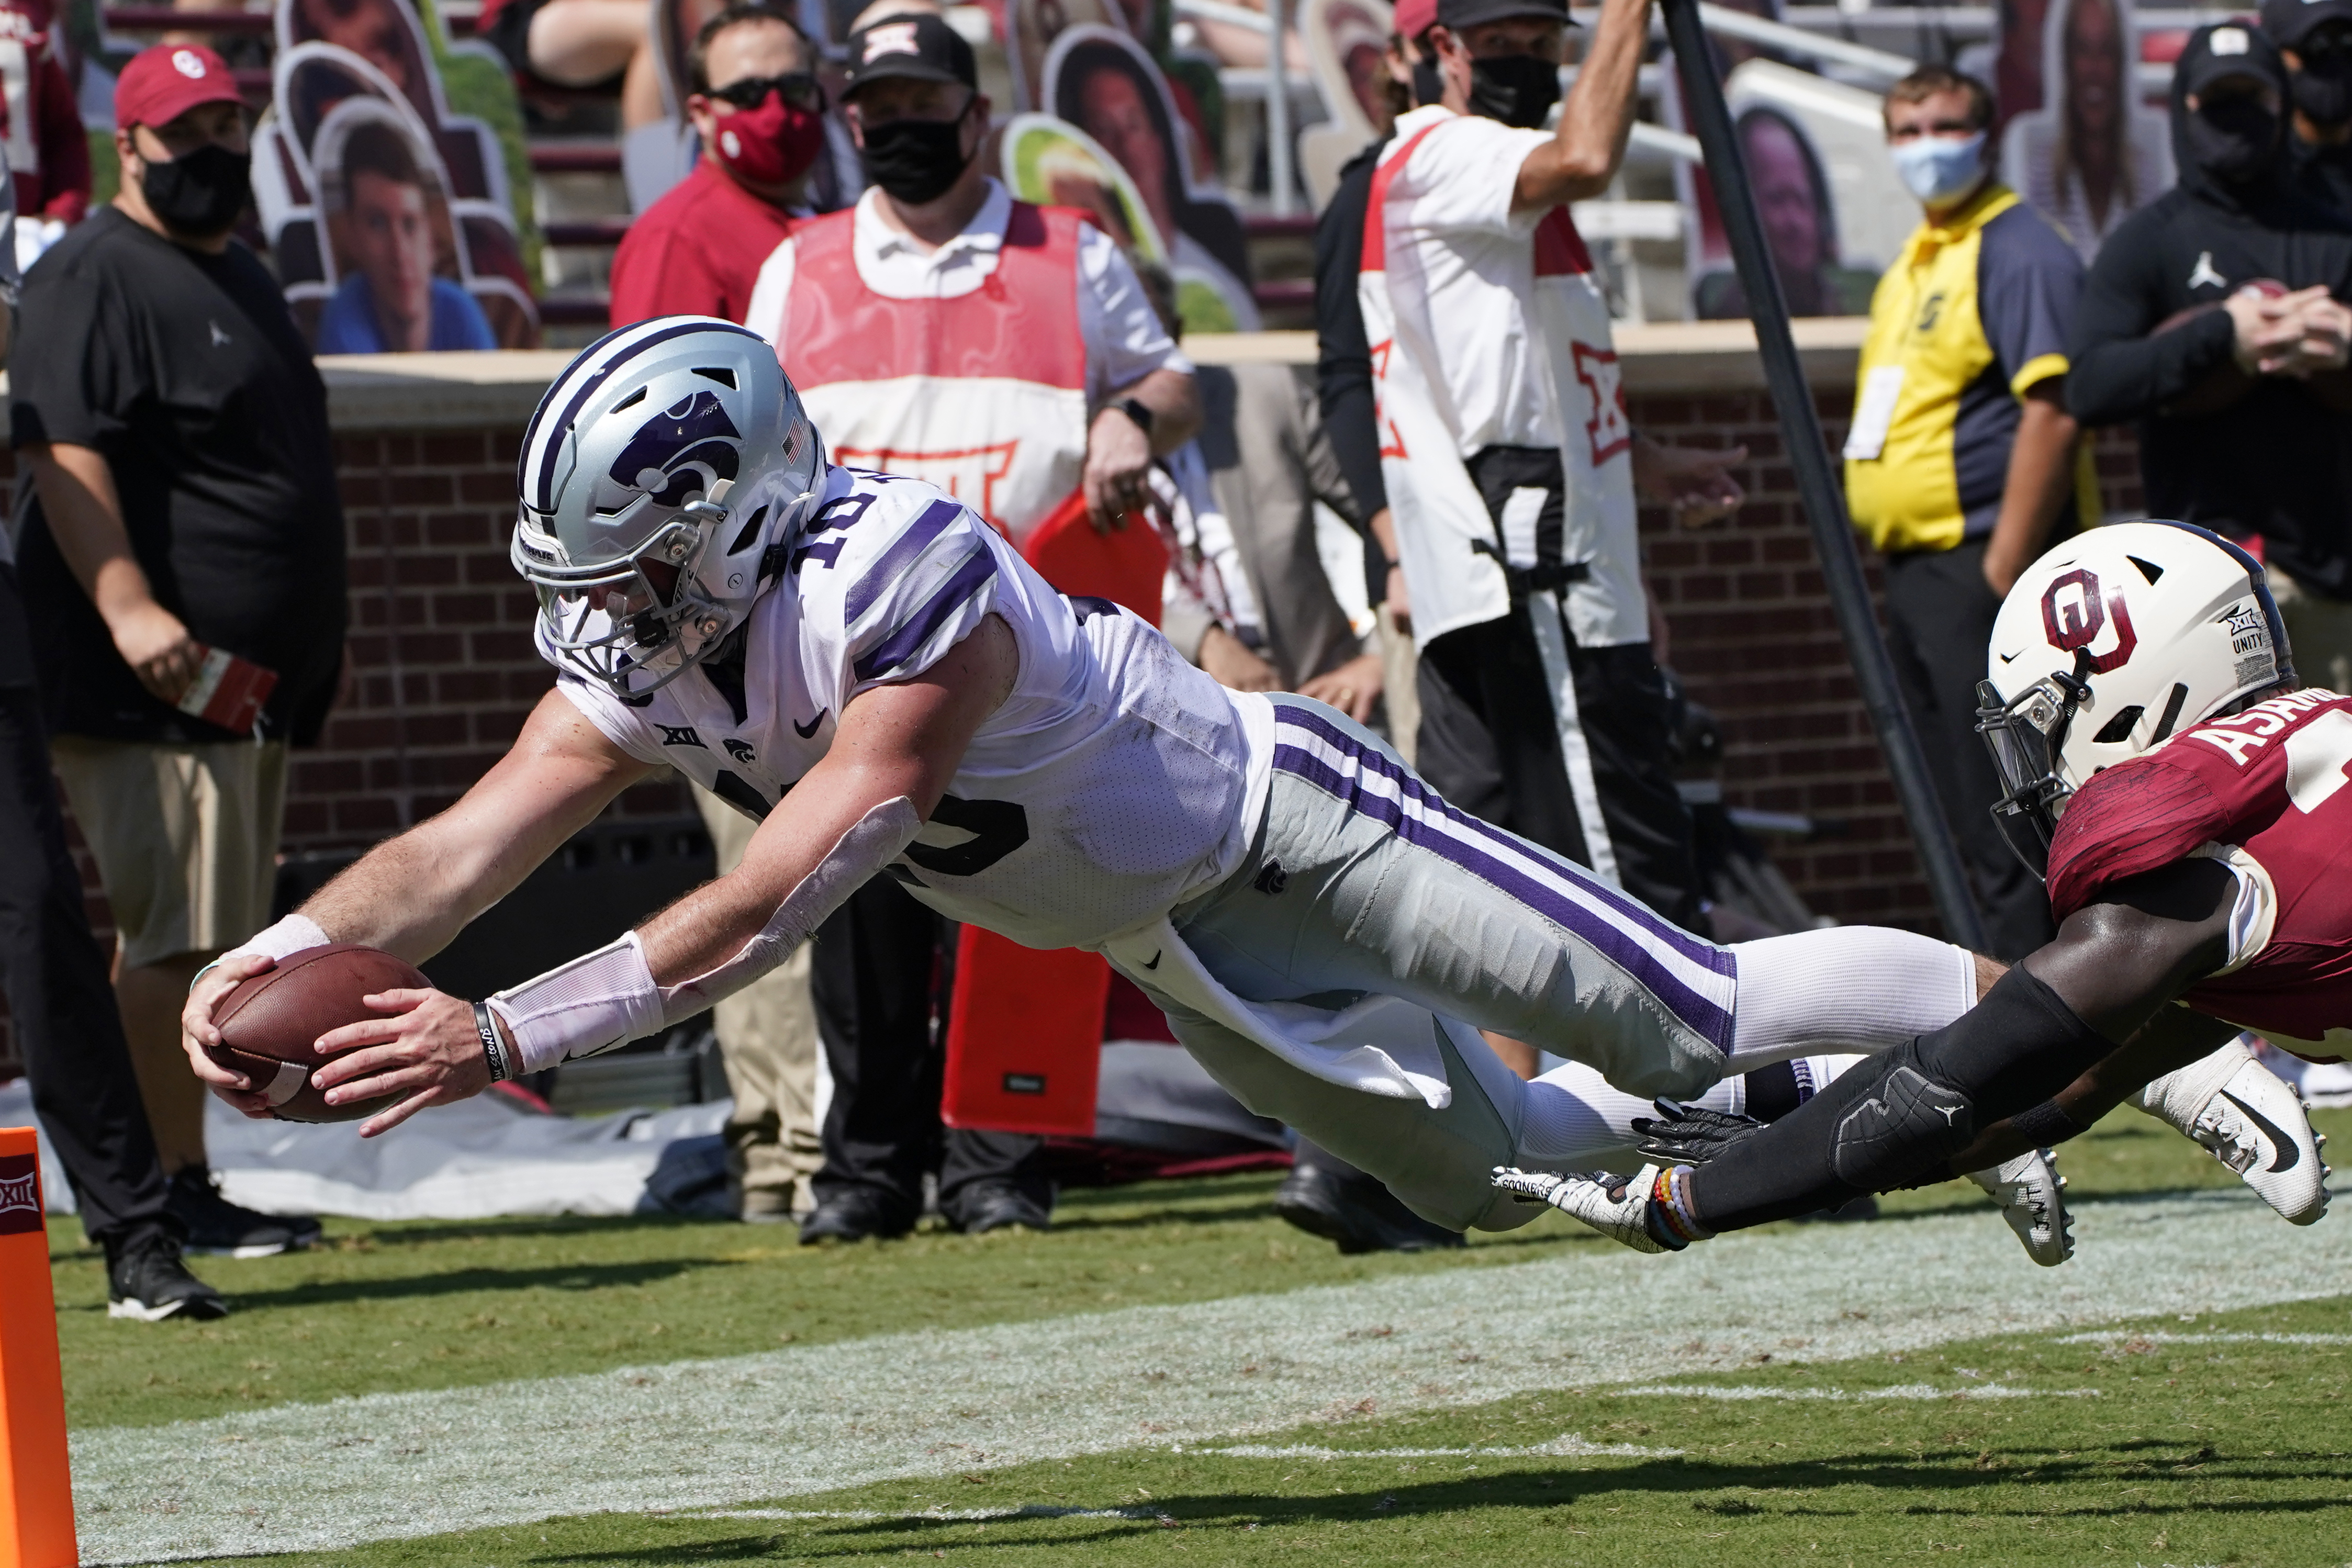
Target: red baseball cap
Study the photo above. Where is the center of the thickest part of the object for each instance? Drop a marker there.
(1414, 17)
(165, 82)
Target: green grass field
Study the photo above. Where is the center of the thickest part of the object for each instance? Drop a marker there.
(1078, 1397)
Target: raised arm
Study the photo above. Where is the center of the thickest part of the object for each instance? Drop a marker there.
(1583, 155)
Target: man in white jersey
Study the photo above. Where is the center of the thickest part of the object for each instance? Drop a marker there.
(1007, 354)
(1324, 932)
(1508, 460)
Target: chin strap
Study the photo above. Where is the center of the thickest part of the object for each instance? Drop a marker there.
(609, 997)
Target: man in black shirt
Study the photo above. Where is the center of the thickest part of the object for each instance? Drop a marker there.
(67, 1031)
(2215, 318)
(180, 499)
(2315, 39)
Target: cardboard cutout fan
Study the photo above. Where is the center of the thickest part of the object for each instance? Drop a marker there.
(384, 209)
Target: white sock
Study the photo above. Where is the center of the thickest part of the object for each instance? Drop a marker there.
(1848, 988)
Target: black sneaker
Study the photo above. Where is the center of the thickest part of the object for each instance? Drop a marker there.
(148, 1281)
(1358, 1214)
(1000, 1206)
(219, 1229)
(856, 1215)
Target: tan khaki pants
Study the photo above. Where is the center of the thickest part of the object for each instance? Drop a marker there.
(186, 837)
(2318, 632)
(767, 1035)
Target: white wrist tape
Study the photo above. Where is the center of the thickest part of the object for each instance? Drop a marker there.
(288, 937)
(873, 841)
(598, 1001)
(609, 997)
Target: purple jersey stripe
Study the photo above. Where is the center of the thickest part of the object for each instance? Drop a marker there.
(899, 559)
(1632, 911)
(977, 569)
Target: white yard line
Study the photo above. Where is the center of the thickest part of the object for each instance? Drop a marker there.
(1567, 1446)
(1738, 1391)
(2164, 1337)
(795, 1422)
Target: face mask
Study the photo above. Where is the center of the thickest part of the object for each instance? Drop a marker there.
(915, 160)
(1428, 83)
(2233, 140)
(771, 145)
(2324, 92)
(1518, 89)
(199, 194)
(1939, 169)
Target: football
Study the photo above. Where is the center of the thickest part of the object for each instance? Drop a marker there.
(270, 1025)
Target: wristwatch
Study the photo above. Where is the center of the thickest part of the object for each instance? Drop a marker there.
(1135, 408)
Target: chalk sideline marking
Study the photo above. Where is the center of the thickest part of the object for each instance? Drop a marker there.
(2162, 1337)
(810, 1419)
(1568, 1444)
(1738, 1391)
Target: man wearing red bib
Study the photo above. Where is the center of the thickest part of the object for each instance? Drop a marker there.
(1007, 354)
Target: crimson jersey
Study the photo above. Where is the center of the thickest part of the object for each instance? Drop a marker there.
(2264, 792)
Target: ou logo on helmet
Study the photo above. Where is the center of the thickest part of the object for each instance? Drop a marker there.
(2073, 615)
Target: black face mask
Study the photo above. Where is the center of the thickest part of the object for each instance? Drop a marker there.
(1428, 84)
(2323, 88)
(915, 159)
(199, 194)
(2235, 140)
(1518, 89)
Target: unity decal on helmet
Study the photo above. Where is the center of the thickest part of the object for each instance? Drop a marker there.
(2073, 615)
(691, 444)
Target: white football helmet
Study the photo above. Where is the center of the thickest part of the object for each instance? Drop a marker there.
(660, 477)
(2110, 645)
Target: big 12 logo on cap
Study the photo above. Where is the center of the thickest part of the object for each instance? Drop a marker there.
(2075, 619)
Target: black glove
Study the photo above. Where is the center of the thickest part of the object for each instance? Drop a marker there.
(1685, 1135)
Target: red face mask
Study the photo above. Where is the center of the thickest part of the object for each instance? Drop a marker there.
(771, 145)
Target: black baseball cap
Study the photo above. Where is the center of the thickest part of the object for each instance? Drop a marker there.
(2228, 49)
(2289, 22)
(1456, 15)
(913, 45)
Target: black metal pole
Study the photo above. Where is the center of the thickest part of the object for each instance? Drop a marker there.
(1817, 483)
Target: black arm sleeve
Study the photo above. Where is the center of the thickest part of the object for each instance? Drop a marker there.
(1343, 365)
(2019, 1046)
(2119, 366)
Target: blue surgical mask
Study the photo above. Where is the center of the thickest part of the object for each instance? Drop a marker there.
(1940, 169)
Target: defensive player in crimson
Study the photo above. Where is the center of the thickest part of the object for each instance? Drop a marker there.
(865, 664)
(2185, 796)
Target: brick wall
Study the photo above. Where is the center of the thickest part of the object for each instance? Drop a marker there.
(1753, 638)
(443, 672)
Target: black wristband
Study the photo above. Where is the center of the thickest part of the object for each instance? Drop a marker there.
(1135, 408)
(2046, 1125)
(494, 1049)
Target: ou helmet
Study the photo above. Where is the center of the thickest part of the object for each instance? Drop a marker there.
(660, 470)
(2109, 646)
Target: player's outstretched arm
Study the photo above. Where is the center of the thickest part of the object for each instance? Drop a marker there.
(1904, 1116)
(889, 762)
(411, 895)
(1595, 122)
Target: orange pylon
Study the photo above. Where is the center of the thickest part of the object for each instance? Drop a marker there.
(37, 1522)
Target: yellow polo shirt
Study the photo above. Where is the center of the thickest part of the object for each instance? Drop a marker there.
(1974, 313)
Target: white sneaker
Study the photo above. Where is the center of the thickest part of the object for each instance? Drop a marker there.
(2032, 1199)
(1616, 1206)
(2239, 1111)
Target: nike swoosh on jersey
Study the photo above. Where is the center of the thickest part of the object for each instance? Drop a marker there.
(1155, 960)
(2288, 1154)
(809, 729)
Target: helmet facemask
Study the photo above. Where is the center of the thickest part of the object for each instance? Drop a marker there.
(2026, 735)
(666, 471)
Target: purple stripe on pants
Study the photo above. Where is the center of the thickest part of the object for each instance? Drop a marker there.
(1616, 935)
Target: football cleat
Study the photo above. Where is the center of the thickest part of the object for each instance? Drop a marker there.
(1616, 1206)
(2240, 1113)
(2032, 1199)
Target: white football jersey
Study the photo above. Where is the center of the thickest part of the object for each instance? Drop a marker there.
(1115, 782)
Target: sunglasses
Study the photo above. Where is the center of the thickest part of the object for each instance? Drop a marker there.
(799, 89)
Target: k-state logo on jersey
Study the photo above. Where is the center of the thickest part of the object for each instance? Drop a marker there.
(691, 444)
(2075, 619)
(739, 749)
